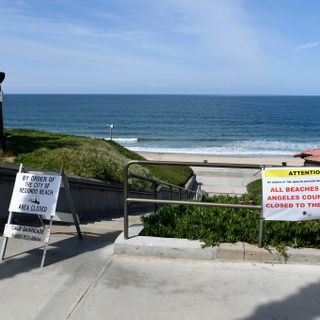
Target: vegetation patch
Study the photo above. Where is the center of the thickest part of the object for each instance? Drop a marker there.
(82, 156)
(255, 187)
(220, 225)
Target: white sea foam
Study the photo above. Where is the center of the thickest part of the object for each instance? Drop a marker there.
(249, 147)
(125, 140)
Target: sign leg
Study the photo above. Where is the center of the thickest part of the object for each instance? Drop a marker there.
(4, 247)
(46, 244)
(70, 202)
(5, 239)
(41, 220)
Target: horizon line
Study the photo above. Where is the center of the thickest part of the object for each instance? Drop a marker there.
(174, 94)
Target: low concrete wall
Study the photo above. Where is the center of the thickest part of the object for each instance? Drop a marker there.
(165, 193)
(6, 187)
(92, 198)
(192, 183)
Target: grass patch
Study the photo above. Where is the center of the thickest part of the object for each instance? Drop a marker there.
(25, 141)
(87, 157)
(255, 187)
(175, 175)
(219, 225)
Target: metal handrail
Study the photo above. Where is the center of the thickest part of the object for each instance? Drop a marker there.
(159, 182)
(171, 187)
(203, 204)
(128, 200)
(196, 164)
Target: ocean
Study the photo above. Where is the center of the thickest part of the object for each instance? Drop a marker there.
(201, 124)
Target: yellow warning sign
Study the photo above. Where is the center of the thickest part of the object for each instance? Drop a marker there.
(290, 173)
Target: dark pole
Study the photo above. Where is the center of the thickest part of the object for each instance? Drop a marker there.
(2, 136)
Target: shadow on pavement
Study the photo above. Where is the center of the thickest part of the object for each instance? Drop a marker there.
(305, 305)
(58, 251)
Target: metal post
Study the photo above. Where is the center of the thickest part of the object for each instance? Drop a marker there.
(180, 194)
(126, 204)
(261, 223)
(261, 229)
(2, 134)
(170, 193)
(111, 126)
(155, 197)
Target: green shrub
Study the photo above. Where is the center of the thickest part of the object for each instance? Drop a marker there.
(90, 162)
(175, 175)
(255, 187)
(81, 156)
(218, 225)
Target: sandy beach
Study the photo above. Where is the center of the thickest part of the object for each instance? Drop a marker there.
(224, 180)
(267, 160)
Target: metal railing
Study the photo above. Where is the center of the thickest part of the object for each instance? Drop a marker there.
(171, 187)
(128, 200)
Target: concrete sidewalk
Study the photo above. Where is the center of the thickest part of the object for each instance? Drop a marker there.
(225, 180)
(83, 279)
(149, 288)
(71, 267)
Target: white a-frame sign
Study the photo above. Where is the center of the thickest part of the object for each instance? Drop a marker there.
(36, 193)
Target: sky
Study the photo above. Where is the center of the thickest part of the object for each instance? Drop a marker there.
(161, 46)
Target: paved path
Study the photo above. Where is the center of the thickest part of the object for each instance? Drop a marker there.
(132, 288)
(83, 280)
(225, 180)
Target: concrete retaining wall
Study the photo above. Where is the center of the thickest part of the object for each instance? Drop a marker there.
(92, 198)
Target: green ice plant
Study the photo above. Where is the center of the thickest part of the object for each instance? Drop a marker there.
(219, 225)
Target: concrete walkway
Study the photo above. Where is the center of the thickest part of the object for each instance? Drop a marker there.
(71, 267)
(149, 288)
(225, 180)
(82, 279)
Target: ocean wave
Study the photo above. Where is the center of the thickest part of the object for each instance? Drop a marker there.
(248, 147)
(125, 140)
(179, 139)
